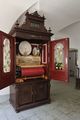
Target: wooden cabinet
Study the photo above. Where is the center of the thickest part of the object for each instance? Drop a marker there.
(77, 78)
(77, 83)
(29, 94)
(31, 62)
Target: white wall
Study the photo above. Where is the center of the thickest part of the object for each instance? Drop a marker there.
(10, 10)
(73, 32)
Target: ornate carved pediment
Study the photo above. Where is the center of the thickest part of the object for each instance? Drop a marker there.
(34, 22)
(32, 28)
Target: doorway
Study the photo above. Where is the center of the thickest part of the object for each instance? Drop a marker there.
(72, 62)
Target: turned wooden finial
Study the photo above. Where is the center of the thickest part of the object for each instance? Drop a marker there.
(17, 24)
(49, 30)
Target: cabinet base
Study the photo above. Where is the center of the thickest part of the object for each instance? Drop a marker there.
(30, 94)
(31, 105)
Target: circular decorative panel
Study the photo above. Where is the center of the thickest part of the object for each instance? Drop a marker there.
(25, 48)
(36, 51)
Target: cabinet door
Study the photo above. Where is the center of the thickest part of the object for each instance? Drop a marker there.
(41, 90)
(7, 60)
(25, 94)
(59, 50)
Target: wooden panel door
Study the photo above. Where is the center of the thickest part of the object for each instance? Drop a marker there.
(59, 50)
(41, 90)
(25, 93)
(7, 60)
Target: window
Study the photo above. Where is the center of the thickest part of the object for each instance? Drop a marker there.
(6, 55)
(59, 56)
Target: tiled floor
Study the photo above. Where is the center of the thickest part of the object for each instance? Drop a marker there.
(65, 105)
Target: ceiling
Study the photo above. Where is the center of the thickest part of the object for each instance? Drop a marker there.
(60, 13)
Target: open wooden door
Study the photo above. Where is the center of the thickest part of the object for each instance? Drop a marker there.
(7, 60)
(59, 50)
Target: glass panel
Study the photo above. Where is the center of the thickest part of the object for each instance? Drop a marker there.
(59, 56)
(6, 55)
